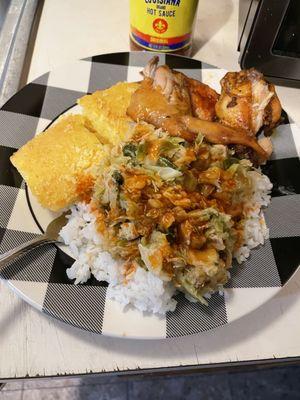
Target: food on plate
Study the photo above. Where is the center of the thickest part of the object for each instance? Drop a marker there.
(58, 164)
(176, 210)
(105, 111)
(203, 100)
(171, 101)
(247, 101)
(172, 190)
(74, 145)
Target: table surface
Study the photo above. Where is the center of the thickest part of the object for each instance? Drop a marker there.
(33, 344)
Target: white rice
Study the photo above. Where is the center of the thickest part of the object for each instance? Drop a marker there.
(143, 290)
(255, 229)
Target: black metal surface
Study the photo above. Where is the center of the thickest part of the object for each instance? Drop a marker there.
(259, 31)
(287, 42)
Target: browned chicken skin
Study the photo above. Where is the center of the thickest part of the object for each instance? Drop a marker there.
(189, 95)
(220, 134)
(272, 115)
(150, 105)
(203, 100)
(171, 101)
(247, 101)
(173, 85)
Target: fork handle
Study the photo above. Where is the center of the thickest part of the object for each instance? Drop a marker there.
(19, 251)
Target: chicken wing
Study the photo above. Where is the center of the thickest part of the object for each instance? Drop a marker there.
(163, 100)
(217, 133)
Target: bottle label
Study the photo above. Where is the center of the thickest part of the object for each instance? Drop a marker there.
(162, 25)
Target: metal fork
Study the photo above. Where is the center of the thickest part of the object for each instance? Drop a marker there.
(50, 236)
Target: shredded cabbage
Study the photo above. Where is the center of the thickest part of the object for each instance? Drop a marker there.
(166, 173)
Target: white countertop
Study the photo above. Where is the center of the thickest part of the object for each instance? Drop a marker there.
(33, 344)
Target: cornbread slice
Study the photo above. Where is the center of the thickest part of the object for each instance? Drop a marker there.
(106, 111)
(57, 162)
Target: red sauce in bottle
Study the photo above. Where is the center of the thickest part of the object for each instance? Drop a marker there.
(162, 25)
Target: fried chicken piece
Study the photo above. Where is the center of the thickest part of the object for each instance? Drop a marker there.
(150, 68)
(150, 105)
(173, 85)
(189, 95)
(162, 100)
(203, 100)
(219, 134)
(266, 144)
(247, 101)
(272, 114)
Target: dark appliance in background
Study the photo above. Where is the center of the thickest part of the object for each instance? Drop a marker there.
(269, 39)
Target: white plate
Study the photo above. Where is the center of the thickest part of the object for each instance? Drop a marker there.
(40, 277)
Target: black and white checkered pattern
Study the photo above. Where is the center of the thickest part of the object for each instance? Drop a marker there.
(40, 277)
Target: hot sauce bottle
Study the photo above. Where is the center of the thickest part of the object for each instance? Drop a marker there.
(162, 25)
